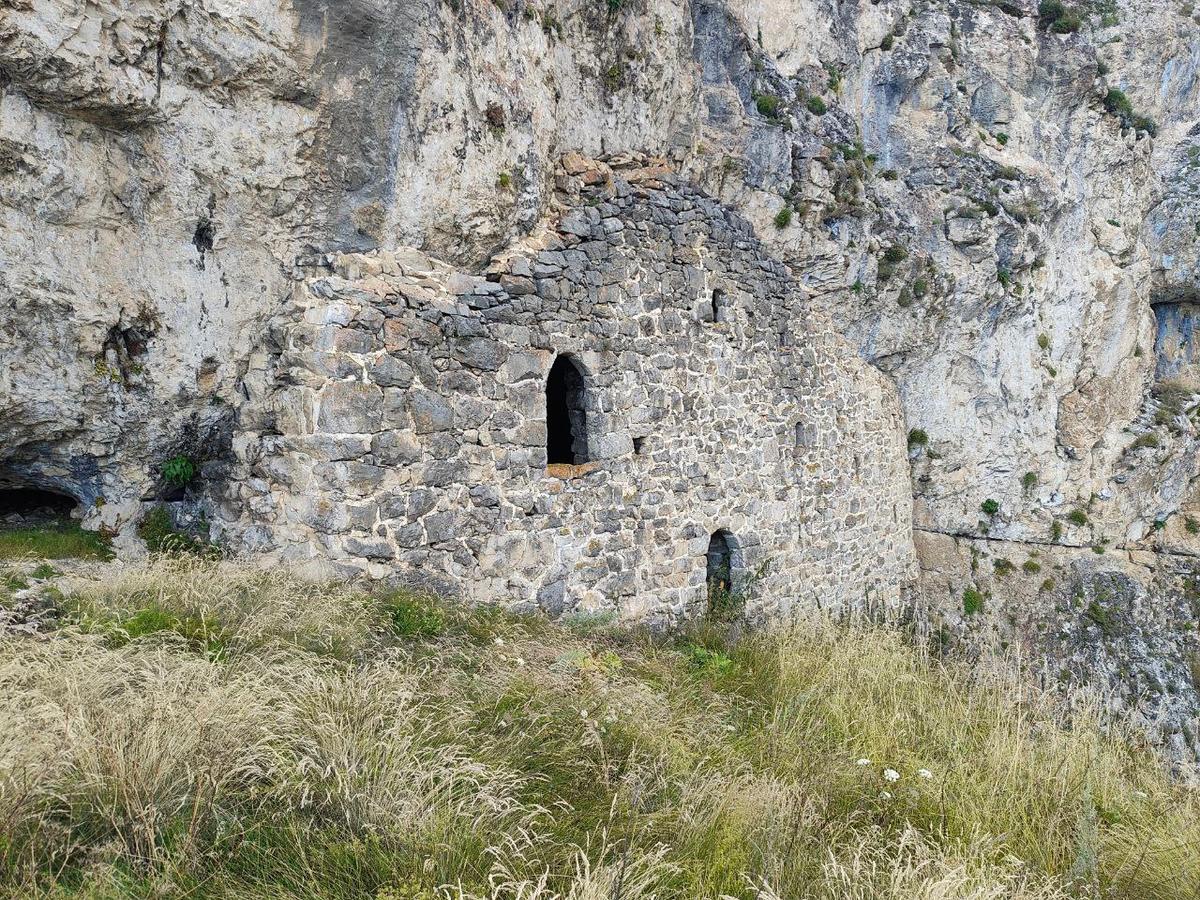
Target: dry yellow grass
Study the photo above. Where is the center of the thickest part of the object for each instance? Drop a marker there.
(203, 730)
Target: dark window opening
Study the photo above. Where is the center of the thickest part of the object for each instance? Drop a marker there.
(718, 305)
(566, 416)
(639, 444)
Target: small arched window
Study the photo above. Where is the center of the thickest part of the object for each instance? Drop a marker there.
(566, 414)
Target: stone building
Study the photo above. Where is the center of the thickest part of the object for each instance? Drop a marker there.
(628, 405)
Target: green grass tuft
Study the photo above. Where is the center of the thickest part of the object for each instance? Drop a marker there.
(415, 615)
(62, 541)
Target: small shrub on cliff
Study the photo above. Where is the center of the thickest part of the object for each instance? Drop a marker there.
(972, 602)
(1149, 439)
(817, 106)
(1116, 103)
(767, 105)
(990, 507)
(178, 471)
(1055, 16)
(917, 438)
(783, 218)
(1077, 517)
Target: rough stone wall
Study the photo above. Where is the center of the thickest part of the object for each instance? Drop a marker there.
(1121, 623)
(401, 426)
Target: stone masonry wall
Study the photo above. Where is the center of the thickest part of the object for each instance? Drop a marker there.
(397, 426)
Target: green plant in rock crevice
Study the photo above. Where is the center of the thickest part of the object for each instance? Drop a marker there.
(178, 471)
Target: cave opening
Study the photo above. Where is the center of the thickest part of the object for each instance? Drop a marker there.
(23, 505)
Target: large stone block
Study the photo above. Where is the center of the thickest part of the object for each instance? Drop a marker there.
(350, 407)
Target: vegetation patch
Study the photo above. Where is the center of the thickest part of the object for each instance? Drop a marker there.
(161, 536)
(238, 734)
(415, 615)
(972, 602)
(59, 541)
(178, 471)
(768, 105)
(1116, 103)
(1055, 16)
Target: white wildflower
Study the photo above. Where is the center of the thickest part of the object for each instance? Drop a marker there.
(891, 775)
(520, 661)
(583, 714)
(863, 762)
(924, 773)
(884, 795)
(499, 642)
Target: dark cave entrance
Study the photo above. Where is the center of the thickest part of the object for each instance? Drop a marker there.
(23, 505)
(566, 416)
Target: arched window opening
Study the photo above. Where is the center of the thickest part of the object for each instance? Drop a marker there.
(566, 415)
(724, 600)
(719, 305)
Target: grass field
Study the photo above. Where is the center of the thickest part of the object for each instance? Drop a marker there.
(66, 540)
(201, 730)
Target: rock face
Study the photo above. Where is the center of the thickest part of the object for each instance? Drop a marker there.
(405, 424)
(997, 208)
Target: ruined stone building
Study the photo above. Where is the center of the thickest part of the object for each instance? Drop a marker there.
(632, 402)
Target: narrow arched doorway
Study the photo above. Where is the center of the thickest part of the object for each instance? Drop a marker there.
(724, 601)
(566, 414)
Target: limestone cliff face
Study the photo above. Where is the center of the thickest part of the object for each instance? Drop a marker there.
(997, 208)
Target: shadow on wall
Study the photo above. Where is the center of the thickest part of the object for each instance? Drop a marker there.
(1175, 346)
